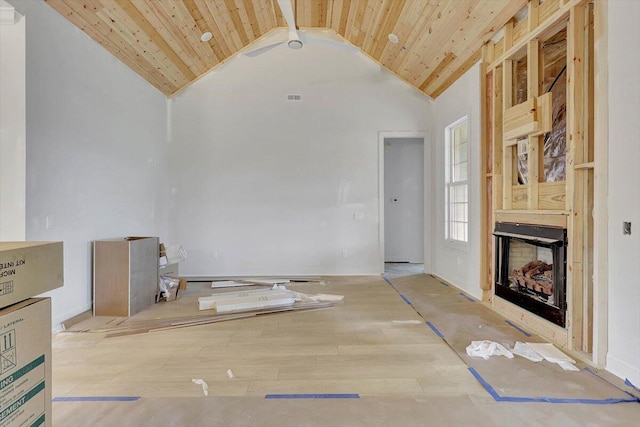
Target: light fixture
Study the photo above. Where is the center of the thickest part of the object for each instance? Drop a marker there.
(393, 38)
(295, 44)
(205, 37)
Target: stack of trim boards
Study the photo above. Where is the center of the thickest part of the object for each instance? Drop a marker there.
(219, 307)
(234, 302)
(259, 299)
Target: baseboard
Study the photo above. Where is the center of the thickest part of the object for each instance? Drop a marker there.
(69, 316)
(623, 370)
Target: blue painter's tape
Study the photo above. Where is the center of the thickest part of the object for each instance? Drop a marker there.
(628, 383)
(97, 399)
(406, 299)
(312, 396)
(467, 297)
(591, 371)
(435, 330)
(387, 280)
(499, 398)
(442, 283)
(518, 328)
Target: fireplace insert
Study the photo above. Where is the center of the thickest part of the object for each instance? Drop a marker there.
(531, 268)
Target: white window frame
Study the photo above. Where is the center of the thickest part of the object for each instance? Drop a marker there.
(450, 183)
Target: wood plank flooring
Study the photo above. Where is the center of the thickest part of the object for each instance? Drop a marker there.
(374, 345)
(355, 347)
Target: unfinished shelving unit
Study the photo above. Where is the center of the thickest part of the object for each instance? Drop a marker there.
(538, 141)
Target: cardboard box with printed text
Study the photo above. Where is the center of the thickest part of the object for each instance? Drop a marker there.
(25, 363)
(28, 269)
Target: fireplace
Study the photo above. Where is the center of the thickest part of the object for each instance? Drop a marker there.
(531, 268)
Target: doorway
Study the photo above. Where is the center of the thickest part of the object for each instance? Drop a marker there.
(403, 193)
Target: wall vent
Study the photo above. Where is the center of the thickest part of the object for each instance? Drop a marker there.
(294, 97)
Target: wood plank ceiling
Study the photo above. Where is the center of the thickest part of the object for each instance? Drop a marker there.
(160, 39)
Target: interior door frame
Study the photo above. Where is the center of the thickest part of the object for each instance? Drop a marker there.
(428, 190)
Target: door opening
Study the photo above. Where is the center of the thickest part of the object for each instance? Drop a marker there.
(403, 200)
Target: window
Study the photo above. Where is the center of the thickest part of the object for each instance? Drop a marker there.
(457, 188)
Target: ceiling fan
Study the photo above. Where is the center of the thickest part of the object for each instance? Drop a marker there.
(296, 39)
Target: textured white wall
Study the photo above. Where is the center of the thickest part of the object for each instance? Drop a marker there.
(96, 149)
(12, 129)
(459, 265)
(623, 358)
(262, 186)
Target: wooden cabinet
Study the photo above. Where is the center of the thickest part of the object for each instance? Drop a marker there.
(125, 275)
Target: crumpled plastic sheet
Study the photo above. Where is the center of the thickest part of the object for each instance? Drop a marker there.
(486, 349)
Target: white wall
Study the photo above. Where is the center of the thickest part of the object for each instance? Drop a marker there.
(623, 358)
(12, 128)
(458, 265)
(96, 149)
(262, 186)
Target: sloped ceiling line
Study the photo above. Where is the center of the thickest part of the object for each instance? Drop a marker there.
(160, 39)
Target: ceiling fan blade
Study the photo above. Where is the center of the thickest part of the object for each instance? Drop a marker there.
(263, 49)
(287, 11)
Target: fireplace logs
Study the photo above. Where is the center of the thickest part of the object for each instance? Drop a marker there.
(536, 276)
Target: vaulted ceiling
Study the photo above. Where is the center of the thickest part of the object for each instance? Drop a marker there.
(160, 39)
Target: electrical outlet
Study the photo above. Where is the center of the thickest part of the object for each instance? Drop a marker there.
(48, 222)
(214, 254)
(358, 216)
(345, 253)
(626, 227)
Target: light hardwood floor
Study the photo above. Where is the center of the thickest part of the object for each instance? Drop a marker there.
(374, 345)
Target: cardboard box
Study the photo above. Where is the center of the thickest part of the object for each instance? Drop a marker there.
(25, 363)
(28, 269)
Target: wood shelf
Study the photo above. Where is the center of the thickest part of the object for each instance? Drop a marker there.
(581, 166)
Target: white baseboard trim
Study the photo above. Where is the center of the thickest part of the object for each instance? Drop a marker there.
(622, 369)
(56, 323)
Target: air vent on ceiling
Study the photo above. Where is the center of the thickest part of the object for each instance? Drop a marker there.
(294, 97)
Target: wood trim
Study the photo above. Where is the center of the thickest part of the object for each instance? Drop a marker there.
(528, 321)
(575, 154)
(484, 214)
(507, 155)
(549, 218)
(552, 195)
(550, 25)
(588, 165)
(498, 157)
(601, 160)
(533, 18)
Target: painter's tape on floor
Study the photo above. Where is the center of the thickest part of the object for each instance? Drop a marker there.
(626, 382)
(499, 398)
(510, 323)
(312, 396)
(97, 399)
(405, 299)
(442, 283)
(467, 297)
(435, 330)
(629, 384)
